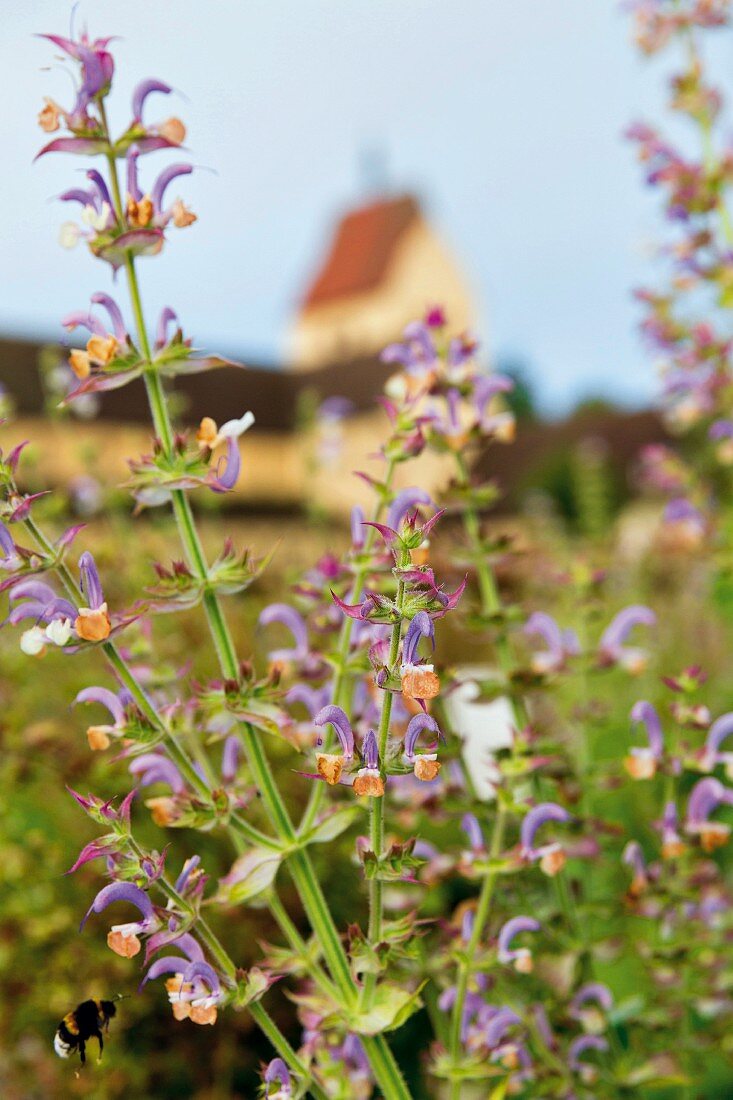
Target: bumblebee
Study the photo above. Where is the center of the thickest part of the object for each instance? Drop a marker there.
(87, 1021)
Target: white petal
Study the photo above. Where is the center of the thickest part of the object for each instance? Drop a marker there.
(235, 428)
(69, 235)
(32, 641)
(59, 631)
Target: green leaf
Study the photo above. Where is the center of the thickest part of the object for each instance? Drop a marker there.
(333, 825)
(250, 877)
(392, 1005)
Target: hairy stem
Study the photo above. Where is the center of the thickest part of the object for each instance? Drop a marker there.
(342, 681)
(299, 862)
(376, 807)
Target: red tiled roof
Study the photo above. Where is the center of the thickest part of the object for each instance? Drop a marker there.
(362, 248)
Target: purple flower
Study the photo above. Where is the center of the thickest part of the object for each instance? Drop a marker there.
(720, 730)
(611, 648)
(226, 474)
(581, 1046)
(592, 991)
(287, 616)
(97, 70)
(336, 717)
(123, 938)
(277, 1071)
(672, 843)
(417, 725)
(230, 758)
(115, 315)
(642, 762)
(357, 527)
(10, 560)
(141, 93)
(417, 353)
(499, 1024)
(406, 501)
(551, 856)
(107, 698)
(706, 796)
(370, 751)
(561, 644)
(167, 316)
(520, 957)
(187, 870)
(313, 699)
(99, 735)
(91, 585)
(421, 626)
(152, 767)
(368, 780)
(196, 990)
(633, 857)
(472, 829)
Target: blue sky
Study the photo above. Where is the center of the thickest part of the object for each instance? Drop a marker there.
(504, 115)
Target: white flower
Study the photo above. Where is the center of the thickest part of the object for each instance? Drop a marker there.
(234, 428)
(59, 631)
(94, 220)
(69, 234)
(33, 641)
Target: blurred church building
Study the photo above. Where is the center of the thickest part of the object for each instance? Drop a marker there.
(382, 267)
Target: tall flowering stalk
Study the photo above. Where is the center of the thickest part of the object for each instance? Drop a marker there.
(485, 913)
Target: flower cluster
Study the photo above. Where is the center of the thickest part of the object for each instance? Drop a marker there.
(493, 880)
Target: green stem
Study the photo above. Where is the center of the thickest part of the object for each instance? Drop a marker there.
(342, 682)
(299, 863)
(299, 945)
(488, 588)
(142, 700)
(222, 959)
(483, 909)
(376, 807)
(269, 1028)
